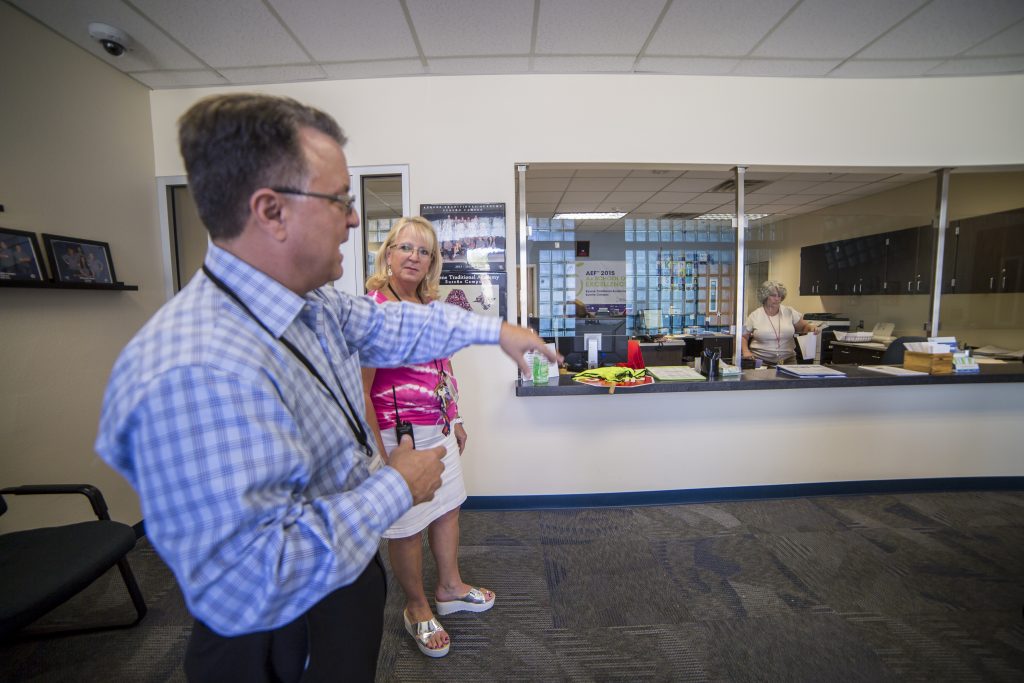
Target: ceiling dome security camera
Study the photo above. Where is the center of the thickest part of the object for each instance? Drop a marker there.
(112, 39)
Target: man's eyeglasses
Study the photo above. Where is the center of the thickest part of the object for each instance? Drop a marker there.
(407, 249)
(345, 201)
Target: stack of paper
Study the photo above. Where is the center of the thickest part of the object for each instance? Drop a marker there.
(998, 351)
(675, 373)
(809, 371)
(926, 347)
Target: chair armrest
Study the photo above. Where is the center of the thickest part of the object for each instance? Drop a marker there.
(99, 505)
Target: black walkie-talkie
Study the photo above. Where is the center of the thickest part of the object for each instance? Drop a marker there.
(402, 428)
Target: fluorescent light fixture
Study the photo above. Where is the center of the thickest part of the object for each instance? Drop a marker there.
(728, 216)
(590, 215)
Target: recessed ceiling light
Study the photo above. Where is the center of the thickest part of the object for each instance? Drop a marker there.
(728, 216)
(591, 215)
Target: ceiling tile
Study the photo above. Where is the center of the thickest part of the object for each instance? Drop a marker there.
(647, 184)
(784, 67)
(151, 48)
(274, 74)
(546, 184)
(381, 69)
(348, 31)
(885, 68)
(977, 66)
(594, 184)
(626, 197)
(178, 79)
(602, 173)
(538, 171)
(227, 33)
(944, 28)
(677, 197)
(571, 27)
(658, 208)
(792, 186)
(820, 29)
(470, 27)
(688, 184)
(584, 197)
(588, 64)
(835, 186)
(543, 196)
(478, 65)
(1005, 43)
(725, 28)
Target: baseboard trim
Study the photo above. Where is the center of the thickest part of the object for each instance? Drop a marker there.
(730, 493)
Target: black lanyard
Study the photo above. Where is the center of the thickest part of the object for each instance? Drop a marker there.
(350, 415)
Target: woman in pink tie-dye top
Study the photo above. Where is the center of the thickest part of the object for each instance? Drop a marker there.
(408, 268)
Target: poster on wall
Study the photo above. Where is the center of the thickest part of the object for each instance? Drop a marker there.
(472, 236)
(478, 292)
(601, 286)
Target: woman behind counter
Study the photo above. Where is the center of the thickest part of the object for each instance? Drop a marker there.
(408, 268)
(769, 331)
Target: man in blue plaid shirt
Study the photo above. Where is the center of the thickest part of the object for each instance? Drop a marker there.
(236, 412)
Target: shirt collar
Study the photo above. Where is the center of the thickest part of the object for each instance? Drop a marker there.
(272, 303)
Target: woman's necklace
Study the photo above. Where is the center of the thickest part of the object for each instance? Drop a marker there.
(776, 330)
(400, 298)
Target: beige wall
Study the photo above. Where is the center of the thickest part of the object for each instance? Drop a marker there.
(76, 158)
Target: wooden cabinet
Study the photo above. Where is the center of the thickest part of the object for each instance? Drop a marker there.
(908, 260)
(985, 254)
(813, 272)
(853, 354)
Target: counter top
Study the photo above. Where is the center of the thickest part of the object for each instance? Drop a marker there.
(856, 376)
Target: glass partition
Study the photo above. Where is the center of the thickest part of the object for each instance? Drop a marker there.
(855, 249)
(982, 301)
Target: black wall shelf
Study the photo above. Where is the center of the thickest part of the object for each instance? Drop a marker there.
(116, 287)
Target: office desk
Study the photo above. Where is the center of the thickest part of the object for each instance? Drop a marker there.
(769, 379)
(678, 349)
(857, 353)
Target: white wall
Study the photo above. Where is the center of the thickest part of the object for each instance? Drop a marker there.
(462, 137)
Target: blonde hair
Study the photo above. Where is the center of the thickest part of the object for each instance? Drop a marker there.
(427, 289)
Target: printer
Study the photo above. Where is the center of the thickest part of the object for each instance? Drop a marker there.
(828, 322)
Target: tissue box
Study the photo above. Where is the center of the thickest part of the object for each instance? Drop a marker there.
(932, 363)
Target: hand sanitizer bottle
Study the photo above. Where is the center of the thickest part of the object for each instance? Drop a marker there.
(540, 368)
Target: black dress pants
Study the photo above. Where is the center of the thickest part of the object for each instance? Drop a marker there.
(339, 637)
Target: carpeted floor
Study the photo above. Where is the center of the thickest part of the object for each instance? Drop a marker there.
(917, 587)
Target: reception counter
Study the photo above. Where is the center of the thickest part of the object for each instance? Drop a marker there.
(765, 378)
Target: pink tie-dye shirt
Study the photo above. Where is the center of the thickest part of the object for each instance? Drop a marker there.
(414, 389)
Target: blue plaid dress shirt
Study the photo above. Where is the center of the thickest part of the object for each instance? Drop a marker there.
(253, 487)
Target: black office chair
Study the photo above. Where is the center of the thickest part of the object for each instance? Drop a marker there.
(42, 568)
(894, 353)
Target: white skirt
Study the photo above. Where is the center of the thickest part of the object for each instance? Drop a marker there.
(452, 493)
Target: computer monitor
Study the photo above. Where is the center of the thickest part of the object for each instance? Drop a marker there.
(614, 340)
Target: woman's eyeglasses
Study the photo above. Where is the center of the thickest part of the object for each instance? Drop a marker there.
(408, 249)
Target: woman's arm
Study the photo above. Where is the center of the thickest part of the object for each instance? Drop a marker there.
(745, 346)
(457, 428)
(371, 412)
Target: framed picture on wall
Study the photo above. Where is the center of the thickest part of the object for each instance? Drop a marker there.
(73, 259)
(482, 293)
(20, 259)
(472, 236)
